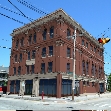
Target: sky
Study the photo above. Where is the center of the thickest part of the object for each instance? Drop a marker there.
(93, 15)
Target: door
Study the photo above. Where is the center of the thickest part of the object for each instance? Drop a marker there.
(12, 87)
(101, 87)
(28, 87)
(17, 88)
(66, 87)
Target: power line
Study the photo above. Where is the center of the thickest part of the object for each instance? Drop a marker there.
(13, 12)
(23, 15)
(104, 32)
(17, 20)
(5, 47)
(12, 18)
(31, 6)
(5, 40)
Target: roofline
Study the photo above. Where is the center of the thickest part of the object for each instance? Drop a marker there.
(40, 20)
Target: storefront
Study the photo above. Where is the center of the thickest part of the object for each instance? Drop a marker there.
(49, 87)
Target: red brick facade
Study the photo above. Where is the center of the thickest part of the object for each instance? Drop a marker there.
(59, 57)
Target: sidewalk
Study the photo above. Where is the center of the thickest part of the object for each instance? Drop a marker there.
(82, 97)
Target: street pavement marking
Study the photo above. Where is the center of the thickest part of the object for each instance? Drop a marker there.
(104, 105)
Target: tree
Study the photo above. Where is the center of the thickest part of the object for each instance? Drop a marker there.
(109, 83)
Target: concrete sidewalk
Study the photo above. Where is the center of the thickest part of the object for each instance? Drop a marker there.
(82, 97)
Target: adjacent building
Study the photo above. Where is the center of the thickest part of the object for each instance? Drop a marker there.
(42, 58)
(4, 71)
(106, 82)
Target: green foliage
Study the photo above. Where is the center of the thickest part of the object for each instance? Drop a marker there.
(5, 83)
(109, 83)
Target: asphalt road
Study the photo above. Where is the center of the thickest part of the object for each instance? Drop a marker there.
(20, 104)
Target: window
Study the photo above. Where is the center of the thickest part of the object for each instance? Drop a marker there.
(92, 84)
(20, 57)
(33, 54)
(91, 47)
(83, 67)
(44, 52)
(94, 49)
(17, 42)
(50, 66)
(14, 69)
(19, 70)
(34, 38)
(68, 67)
(30, 39)
(44, 34)
(28, 55)
(101, 53)
(68, 32)
(86, 45)
(16, 58)
(32, 69)
(87, 83)
(83, 42)
(84, 82)
(87, 68)
(68, 52)
(99, 72)
(22, 42)
(42, 68)
(27, 67)
(50, 50)
(51, 32)
(93, 70)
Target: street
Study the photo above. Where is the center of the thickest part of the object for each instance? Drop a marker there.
(20, 104)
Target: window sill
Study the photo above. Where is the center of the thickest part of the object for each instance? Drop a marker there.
(43, 57)
(50, 56)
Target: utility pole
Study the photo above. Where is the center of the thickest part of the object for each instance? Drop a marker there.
(73, 79)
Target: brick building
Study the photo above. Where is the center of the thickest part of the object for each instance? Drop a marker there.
(42, 56)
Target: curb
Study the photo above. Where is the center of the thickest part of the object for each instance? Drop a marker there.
(47, 100)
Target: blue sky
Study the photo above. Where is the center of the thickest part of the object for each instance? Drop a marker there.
(93, 15)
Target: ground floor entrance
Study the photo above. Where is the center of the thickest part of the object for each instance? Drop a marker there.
(28, 87)
(101, 87)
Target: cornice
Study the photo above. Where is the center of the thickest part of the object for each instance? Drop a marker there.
(54, 16)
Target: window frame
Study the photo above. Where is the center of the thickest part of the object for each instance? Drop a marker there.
(68, 32)
(52, 34)
(50, 51)
(68, 52)
(42, 68)
(44, 34)
(50, 67)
